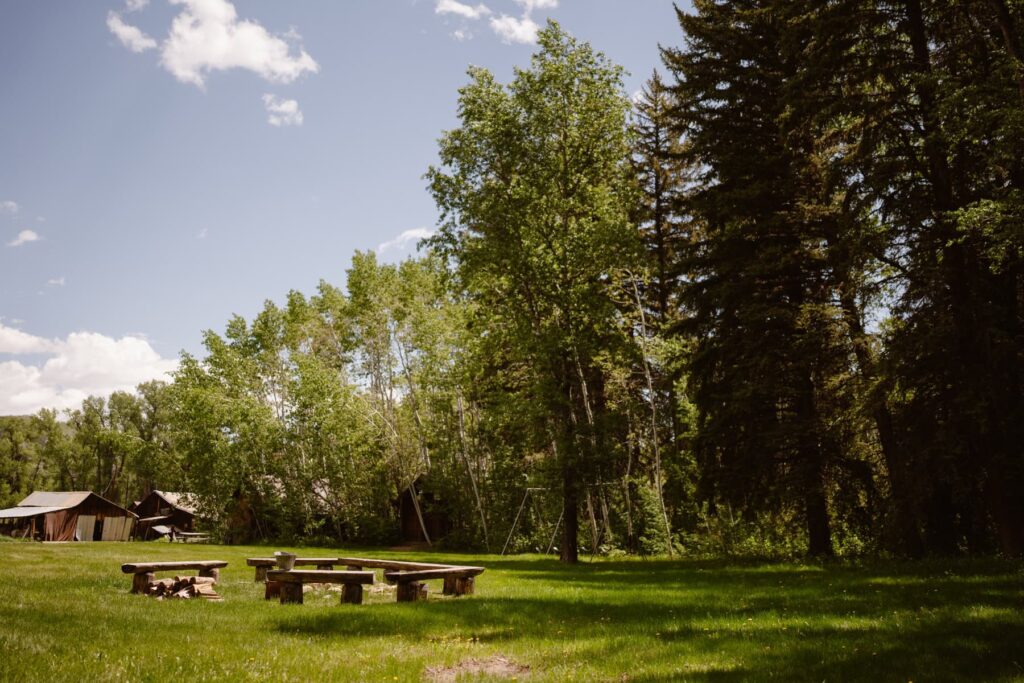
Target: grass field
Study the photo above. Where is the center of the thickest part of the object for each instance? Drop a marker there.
(66, 615)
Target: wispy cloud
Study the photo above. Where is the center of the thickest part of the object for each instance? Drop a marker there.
(24, 237)
(81, 365)
(281, 112)
(405, 240)
(461, 9)
(135, 5)
(56, 281)
(130, 36)
(8, 206)
(201, 235)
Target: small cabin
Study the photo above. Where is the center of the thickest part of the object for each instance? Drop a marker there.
(67, 516)
(434, 516)
(162, 512)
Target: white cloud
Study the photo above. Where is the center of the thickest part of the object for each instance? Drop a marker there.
(461, 9)
(201, 235)
(8, 206)
(24, 237)
(512, 30)
(135, 5)
(530, 5)
(282, 112)
(405, 240)
(208, 36)
(56, 281)
(462, 34)
(15, 341)
(130, 36)
(524, 29)
(83, 364)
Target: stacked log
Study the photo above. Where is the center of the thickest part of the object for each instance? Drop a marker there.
(183, 588)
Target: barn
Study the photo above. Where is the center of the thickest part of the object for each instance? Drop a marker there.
(161, 511)
(67, 516)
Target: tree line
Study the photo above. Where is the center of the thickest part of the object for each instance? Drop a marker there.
(769, 305)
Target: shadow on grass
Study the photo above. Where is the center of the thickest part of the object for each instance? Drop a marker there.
(727, 622)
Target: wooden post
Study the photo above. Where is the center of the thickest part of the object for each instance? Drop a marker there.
(291, 592)
(212, 573)
(464, 585)
(449, 586)
(272, 590)
(352, 594)
(141, 580)
(411, 591)
(261, 574)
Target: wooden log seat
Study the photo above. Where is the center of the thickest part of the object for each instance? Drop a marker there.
(263, 564)
(144, 573)
(291, 582)
(457, 581)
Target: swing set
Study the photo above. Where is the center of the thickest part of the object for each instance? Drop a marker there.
(596, 534)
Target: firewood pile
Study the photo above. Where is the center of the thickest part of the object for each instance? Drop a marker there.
(183, 588)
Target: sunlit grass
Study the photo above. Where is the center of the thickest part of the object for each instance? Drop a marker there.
(66, 615)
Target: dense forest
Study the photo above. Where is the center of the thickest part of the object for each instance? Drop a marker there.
(770, 305)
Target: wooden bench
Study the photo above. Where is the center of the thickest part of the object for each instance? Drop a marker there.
(291, 583)
(144, 573)
(410, 576)
(263, 564)
(457, 581)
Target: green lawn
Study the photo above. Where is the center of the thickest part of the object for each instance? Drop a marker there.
(66, 615)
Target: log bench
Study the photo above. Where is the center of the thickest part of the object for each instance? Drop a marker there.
(409, 576)
(144, 573)
(291, 583)
(263, 564)
(457, 581)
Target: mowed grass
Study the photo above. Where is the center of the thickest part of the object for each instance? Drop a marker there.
(66, 615)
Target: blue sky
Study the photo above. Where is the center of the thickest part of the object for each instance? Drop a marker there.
(168, 163)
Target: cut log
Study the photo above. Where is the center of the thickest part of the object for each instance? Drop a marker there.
(464, 585)
(411, 591)
(210, 573)
(272, 590)
(202, 580)
(261, 573)
(425, 574)
(291, 593)
(141, 580)
(449, 585)
(352, 594)
(136, 567)
(319, 576)
(389, 564)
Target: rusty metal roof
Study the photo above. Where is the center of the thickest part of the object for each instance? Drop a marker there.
(14, 513)
(59, 500)
(178, 500)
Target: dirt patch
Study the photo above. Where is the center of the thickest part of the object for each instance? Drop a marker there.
(498, 667)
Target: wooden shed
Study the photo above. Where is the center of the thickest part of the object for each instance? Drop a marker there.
(161, 511)
(67, 516)
(426, 506)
